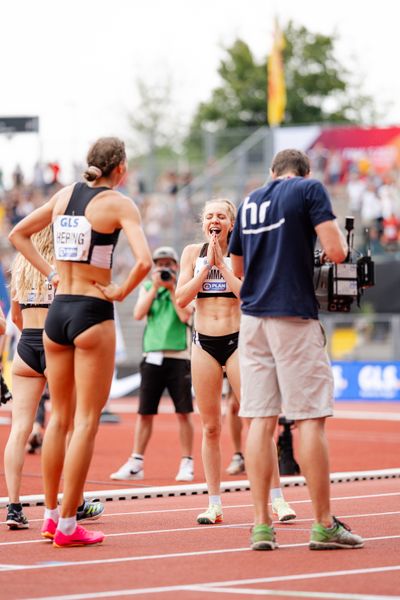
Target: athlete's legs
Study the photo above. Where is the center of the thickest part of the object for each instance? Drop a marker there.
(94, 366)
(143, 431)
(185, 433)
(314, 462)
(275, 477)
(232, 369)
(60, 376)
(207, 382)
(27, 387)
(235, 422)
(260, 457)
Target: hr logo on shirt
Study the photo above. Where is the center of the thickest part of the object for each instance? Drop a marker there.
(258, 215)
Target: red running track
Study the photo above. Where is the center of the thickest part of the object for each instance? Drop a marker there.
(355, 444)
(155, 549)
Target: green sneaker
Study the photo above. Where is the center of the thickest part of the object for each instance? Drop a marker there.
(263, 538)
(331, 538)
(90, 510)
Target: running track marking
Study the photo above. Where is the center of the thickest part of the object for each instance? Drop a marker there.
(367, 416)
(201, 488)
(339, 413)
(282, 527)
(290, 594)
(221, 587)
(226, 506)
(107, 561)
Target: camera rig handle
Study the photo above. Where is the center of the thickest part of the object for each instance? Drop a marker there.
(349, 226)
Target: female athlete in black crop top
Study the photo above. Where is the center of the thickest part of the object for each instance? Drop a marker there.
(31, 296)
(206, 278)
(80, 333)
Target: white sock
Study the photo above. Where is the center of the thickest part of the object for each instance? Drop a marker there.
(67, 526)
(275, 493)
(51, 513)
(214, 500)
(136, 457)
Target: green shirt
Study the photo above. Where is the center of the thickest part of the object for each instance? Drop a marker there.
(164, 329)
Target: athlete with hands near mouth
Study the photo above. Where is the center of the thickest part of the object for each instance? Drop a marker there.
(206, 277)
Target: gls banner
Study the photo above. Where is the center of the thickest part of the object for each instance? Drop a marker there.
(367, 380)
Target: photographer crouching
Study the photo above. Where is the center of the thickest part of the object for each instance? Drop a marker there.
(165, 364)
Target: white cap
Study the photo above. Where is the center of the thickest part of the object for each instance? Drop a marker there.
(165, 252)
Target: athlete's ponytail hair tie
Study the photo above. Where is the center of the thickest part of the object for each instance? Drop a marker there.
(92, 173)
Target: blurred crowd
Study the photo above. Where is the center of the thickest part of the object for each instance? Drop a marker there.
(168, 213)
(372, 195)
(167, 217)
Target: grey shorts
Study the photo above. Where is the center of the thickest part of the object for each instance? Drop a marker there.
(284, 368)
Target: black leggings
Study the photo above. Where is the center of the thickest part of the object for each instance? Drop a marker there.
(69, 315)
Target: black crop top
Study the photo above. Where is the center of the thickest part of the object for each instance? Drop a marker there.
(74, 238)
(215, 285)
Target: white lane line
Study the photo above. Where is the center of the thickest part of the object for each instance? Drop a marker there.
(226, 506)
(304, 576)
(287, 528)
(291, 594)
(367, 415)
(221, 584)
(194, 489)
(121, 559)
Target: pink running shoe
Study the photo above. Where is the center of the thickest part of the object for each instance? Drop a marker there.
(80, 537)
(48, 529)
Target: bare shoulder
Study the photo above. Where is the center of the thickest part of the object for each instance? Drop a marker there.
(121, 200)
(61, 198)
(192, 250)
(65, 191)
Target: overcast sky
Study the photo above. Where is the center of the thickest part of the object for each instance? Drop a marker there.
(75, 62)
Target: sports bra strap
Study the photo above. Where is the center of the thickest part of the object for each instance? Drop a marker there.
(203, 251)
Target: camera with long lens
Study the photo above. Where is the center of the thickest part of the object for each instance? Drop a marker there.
(337, 286)
(166, 274)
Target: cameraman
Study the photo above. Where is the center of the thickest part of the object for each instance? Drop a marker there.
(165, 364)
(283, 361)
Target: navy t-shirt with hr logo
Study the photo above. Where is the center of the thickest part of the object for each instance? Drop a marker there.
(274, 232)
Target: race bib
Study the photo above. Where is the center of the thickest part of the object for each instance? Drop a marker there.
(72, 236)
(43, 296)
(215, 282)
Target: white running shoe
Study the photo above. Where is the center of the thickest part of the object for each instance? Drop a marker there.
(132, 469)
(212, 515)
(185, 472)
(283, 510)
(236, 465)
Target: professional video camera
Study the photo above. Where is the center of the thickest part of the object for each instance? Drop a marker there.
(338, 285)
